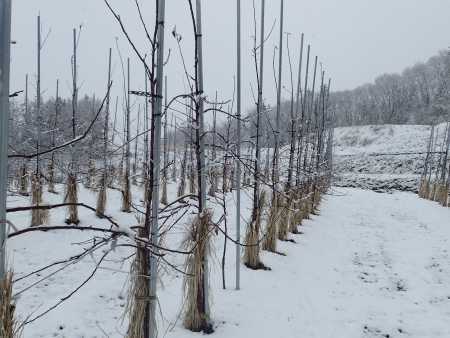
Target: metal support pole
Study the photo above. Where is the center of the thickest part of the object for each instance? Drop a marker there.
(277, 132)
(317, 137)
(174, 150)
(38, 107)
(318, 118)
(5, 44)
(303, 113)
(213, 155)
(310, 116)
(444, 162)
(38, 101)
(157, 167)
(27, 118)
(166, 144)
(294, 132)
(191, 134)
(306, 86)
(238, 150)
(214, 130)
(433, 146)
(260, 99)
(115, 121)
(146, 151)
(312, 90)
(325, 113)
(427, 159)
(55, 124)
(75, 104)
(128, 151)
(105, 169)
(56, 107)
(202, 202)
(201, 108)
(137, 139)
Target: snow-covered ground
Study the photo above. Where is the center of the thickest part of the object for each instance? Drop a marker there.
(368, 265)
(379, 139)
(383, 158)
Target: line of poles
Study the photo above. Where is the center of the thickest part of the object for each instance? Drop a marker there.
(301, 127)
(436, 188)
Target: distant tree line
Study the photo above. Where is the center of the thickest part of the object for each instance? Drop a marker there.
(419, 95)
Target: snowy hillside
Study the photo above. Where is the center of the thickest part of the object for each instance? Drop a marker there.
(382, 158)
(381, 139)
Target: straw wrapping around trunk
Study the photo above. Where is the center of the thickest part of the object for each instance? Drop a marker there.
(269, 242)
(421, 188)
(441, 193)
(133, 180)
(296, 215)
(101, 201)
(164, 192)
(51, 179)
(11, 326)
(111, 175)
(212, 186)
(136, 303)
(38, 217)
(70, 196)
(251, 252)
(283, 219)
(432, 191)
(426, 190)
(126, 194)
(197, 238)
(192, 179)
(233, 179)
(181, 187)
(23, 181)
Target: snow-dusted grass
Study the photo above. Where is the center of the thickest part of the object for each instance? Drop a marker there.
(369, 265)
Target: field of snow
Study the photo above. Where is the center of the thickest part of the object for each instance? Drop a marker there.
(368, 265)
(382, 158)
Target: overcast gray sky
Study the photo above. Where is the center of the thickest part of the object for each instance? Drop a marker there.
(356, 40)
